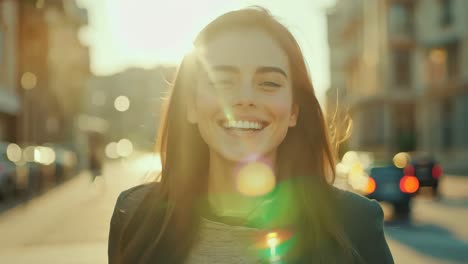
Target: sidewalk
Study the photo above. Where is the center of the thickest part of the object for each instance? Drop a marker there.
(69, 224)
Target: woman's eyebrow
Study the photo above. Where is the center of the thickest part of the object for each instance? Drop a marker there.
(267, 69)
(263, 69)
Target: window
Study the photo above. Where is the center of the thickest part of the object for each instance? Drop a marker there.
(446, 16)
(2, 52)
(436, 67)
(400, 19)
(452, 60)
(2, 46)
(447, 130)
(404, 125)
(402, 68)
(373, 126)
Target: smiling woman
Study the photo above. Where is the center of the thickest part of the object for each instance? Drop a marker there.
(246, 163)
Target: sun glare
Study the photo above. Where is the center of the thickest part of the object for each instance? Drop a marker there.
(154, 31)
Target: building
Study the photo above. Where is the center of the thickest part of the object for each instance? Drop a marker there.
(53, 67)
(399, 69)
(9, 100)
(442, 57)
(68, 65)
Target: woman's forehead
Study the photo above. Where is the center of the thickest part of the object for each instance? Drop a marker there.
(243, 48)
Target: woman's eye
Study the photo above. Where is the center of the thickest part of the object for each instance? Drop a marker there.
(270, 84)
(222, 83)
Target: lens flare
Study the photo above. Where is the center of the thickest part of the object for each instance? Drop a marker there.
(275, 244)
(255, 179)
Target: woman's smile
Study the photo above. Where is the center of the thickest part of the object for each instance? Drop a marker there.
(243, 126)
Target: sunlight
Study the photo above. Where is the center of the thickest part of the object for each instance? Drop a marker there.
(159, 31)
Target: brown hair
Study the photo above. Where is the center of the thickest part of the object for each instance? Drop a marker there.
(165, 223)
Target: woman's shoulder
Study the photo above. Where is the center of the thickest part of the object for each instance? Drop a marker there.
(362, 221)
(129, 199)
(358, 214)
(355, 205)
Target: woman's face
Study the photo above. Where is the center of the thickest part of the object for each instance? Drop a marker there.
(243, 101)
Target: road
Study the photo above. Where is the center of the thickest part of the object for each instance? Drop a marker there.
(70, 223)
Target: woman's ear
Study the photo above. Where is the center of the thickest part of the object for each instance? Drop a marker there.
(294, 115)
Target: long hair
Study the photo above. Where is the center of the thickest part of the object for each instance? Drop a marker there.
(166, 222)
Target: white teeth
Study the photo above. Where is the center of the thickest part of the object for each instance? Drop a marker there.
(242, 124)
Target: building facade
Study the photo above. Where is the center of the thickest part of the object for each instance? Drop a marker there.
(9, 100)
(53, 67)
(399, 69)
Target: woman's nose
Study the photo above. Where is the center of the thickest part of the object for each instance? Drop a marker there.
(245, 94)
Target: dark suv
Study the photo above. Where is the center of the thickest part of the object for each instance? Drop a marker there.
(425, 167)
(382, 178)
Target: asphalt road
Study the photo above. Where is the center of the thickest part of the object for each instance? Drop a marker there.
(70, 223)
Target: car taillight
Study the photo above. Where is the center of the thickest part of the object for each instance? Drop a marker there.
(436, 171)
(371, 185)
(409, 184)
(409, 170)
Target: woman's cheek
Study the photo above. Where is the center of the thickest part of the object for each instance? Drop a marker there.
(208, 103)
(281, 106)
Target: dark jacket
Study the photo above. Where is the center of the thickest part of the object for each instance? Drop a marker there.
(362, 221)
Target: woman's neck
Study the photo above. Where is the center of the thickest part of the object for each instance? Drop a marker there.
(224, 196)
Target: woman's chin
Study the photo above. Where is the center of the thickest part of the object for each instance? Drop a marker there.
(243, 156)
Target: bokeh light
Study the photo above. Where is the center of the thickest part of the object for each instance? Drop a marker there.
(111, 150)
(28, 80)
(29, 154)
(122, 103)
(13, 152)
(124, 147)
(44, 155)
(438, 56)
(255, 179)
(401, 160)
(371, 185)
(409, 184)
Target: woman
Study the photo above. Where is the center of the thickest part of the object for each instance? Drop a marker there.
(247, 163)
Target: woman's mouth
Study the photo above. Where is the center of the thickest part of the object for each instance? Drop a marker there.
(243, 125)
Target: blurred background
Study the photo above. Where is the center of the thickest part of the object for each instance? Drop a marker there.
(81, 86)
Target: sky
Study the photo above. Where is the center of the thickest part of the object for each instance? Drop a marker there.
(144, 33)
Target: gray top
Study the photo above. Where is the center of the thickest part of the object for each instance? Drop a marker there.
(360, 218)
(222, 243)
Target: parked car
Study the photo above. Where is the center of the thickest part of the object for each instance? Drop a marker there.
(382, 178)
(34, 179)
(428, 171)
(7, 173)
(64, 163)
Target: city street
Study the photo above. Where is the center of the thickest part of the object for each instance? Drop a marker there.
(70, 223)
